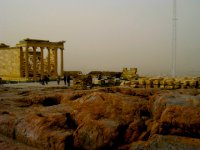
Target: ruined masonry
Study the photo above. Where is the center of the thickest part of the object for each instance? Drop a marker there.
(26, 61)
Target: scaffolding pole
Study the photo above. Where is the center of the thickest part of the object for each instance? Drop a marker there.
(174, 39)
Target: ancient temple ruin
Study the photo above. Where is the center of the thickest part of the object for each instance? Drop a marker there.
(27, 61)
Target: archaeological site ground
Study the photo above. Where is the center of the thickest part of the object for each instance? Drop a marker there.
(116, 117)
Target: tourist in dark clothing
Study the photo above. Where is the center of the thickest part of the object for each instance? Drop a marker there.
(41, 80)
(0, 81)
(99, 77)
(89, 81)
(68, 80)
(65, 79)
(58, 80)
(46, 79)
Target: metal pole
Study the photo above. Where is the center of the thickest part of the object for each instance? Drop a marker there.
(174, 39)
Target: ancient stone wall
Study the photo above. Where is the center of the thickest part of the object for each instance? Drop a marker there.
(10, 63)
(129, 74)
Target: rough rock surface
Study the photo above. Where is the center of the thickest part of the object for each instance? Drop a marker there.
(104, 118)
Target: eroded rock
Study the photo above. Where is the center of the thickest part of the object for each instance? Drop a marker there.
(105, 118)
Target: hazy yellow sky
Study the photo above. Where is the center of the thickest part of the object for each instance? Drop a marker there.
(109, 34)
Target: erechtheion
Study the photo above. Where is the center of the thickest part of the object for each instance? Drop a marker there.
(26, 61)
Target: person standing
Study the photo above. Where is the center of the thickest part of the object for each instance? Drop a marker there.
(0, 81)
(41, 80)
(44, 80)
(99, 76)
(68, 80)
(65, 79)
(58, 80)
(89, 81)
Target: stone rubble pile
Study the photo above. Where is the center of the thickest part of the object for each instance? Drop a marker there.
(132, 79)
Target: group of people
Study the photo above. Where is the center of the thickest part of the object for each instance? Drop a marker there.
(45, 79)
(66, 80)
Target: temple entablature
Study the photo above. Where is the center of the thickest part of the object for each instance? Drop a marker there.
(41, 43)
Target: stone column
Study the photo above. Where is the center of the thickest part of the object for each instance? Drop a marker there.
(26, 63)
(21, 61)
(42, 62)
(49, 67)
(34, 64)
(55, 62)
(61, 61)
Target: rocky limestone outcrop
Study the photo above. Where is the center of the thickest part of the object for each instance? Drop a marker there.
(105, 118)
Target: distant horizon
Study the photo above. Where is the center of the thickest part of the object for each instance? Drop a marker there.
(179, 74)
(184, 74)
